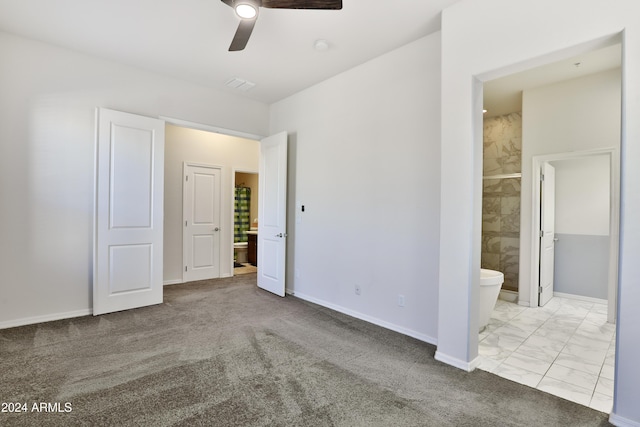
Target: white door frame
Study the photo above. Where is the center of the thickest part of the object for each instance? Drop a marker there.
(222, 131)
(208, 128)
(614, 223)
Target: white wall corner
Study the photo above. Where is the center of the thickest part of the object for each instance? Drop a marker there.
(619, 421)
(461, 364)
(469, 50)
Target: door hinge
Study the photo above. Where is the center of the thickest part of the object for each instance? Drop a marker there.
(539, 289)
(541, 177)
(186, 177)
(185, 224)
(541, 234)
(185, 268)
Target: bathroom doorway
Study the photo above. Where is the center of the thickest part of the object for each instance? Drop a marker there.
(567, 347)
(569, 108)
(245, 222)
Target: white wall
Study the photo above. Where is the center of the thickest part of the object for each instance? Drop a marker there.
(576, 115)
(480, 42)
(205, 148)
(582, 225)
(582, 195)
(364, 161)
(47, 108)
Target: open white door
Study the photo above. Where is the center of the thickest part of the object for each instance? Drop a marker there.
(201, 211)
(272, 214)
(128, 212)
(547, 227)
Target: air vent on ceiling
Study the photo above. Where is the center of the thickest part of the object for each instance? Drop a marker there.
(240, 84)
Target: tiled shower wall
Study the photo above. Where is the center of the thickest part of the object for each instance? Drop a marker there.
(501, 196)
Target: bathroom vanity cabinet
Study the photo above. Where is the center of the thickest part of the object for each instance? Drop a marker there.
(252, 248)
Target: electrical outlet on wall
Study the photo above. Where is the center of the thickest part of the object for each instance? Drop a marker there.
(357, 289)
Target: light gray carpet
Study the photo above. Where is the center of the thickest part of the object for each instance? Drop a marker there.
(225, 353)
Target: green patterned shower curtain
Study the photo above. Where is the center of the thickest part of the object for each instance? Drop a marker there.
(242, 215)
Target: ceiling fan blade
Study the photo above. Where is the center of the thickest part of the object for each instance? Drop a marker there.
(303, 4)
(242, 34)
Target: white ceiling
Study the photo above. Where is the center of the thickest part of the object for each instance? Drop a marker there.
(189, 39)
(504, 95)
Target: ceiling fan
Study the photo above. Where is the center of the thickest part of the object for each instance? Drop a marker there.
(247, 10)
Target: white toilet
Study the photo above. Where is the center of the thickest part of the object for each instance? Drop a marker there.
(490, 284)
(241, 252)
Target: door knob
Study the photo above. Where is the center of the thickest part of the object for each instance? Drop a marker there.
(281, 235)
(216, 229)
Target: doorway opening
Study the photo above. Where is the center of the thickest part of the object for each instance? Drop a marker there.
(586, 228)
(566, 347)
(245, 222)
(201, 146)
(231, 153)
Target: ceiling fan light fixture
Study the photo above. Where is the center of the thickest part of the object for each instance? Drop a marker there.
(246, 9)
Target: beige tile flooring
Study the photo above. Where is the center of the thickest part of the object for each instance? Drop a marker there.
(565, 348)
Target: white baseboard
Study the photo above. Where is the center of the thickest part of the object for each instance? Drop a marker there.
(455, 362)
(45, 318)
(510, 296)
(619, 421)
(400, 329)
(579, 298)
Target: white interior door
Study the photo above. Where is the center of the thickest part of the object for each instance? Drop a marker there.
(272, 214)
(128, 233)
(547, 226)
(201, 211)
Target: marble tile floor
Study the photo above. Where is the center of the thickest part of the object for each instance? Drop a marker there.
(565, 348)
